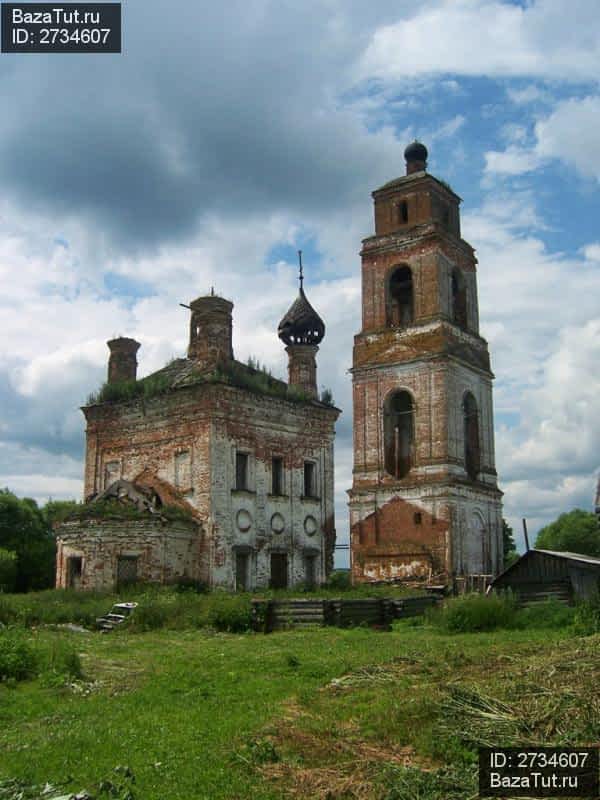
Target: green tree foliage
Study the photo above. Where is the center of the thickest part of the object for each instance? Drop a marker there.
(576, 531)
(508, 545)
(8, 570)
(24, 531)
(55, 511)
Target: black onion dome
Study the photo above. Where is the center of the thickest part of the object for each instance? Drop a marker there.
(301, 324)
(416, 151)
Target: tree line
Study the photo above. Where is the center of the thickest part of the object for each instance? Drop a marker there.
(27, 544)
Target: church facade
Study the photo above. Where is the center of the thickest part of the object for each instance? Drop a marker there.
(249, 456)
(424, 502)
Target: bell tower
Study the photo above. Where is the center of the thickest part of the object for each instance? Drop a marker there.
(424, 502)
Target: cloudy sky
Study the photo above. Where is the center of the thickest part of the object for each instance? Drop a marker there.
(225, 137)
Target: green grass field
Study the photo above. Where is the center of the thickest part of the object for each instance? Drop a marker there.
(315, 713)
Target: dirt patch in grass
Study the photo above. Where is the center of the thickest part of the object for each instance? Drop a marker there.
(327, 764)
(111, 675)
(411, 727)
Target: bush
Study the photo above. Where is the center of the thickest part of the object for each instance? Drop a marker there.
(154, 611)
(476, 612)
(586, 620)
(18, 660)
(549, 614)
(339, 579)
(229, 612)
(61, 658)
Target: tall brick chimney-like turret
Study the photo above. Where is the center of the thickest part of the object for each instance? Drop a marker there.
(122, 362)
(210, 331)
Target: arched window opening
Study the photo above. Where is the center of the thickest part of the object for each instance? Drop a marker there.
(471, 434)
(459, 299)
(400, 311)
(399, 434)
(403, 213)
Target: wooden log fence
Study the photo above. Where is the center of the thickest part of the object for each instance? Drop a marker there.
(275, 614)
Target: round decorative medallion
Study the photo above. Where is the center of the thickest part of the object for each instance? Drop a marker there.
(310, 526)
(277, 523)
(243, 520)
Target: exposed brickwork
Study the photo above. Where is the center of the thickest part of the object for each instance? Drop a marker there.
(378, 553)
(302, 368)
(163, 551)
(210, 331)
(190, 437)
(437, 357)
(122, 364)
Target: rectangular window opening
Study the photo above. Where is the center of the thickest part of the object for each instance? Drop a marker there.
(241, 471)
(277, 476)
(127, 570)
(310, 489)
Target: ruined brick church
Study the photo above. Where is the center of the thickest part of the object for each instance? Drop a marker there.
(217, 472)
(424, 501)
(227, 474)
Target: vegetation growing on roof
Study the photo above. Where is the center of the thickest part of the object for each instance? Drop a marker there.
(113, 509)
(256, 377)
(253, 376)
(121, 391)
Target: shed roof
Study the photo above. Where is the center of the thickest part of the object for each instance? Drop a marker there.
(569, 556)
(578, 557)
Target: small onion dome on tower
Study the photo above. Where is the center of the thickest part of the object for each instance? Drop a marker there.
(301, 324)
(416, 157)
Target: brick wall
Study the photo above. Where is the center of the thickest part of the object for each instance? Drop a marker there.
(190, 436)
(164, 551)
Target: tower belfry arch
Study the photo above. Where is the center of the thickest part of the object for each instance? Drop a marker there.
(424, 463)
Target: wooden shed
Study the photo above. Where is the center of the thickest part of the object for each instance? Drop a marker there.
(549, 575)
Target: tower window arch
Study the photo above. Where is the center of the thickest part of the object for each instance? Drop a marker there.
(459, 299)
(400, 297)
(403, 212)
(471, 436)
(399, 433)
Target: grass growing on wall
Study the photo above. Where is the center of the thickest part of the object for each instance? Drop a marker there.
(113, 509)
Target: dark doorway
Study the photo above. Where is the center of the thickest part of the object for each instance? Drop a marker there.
(310, 571)
(127, 570)
(241, 572)
(74, 570)
(279, 571)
